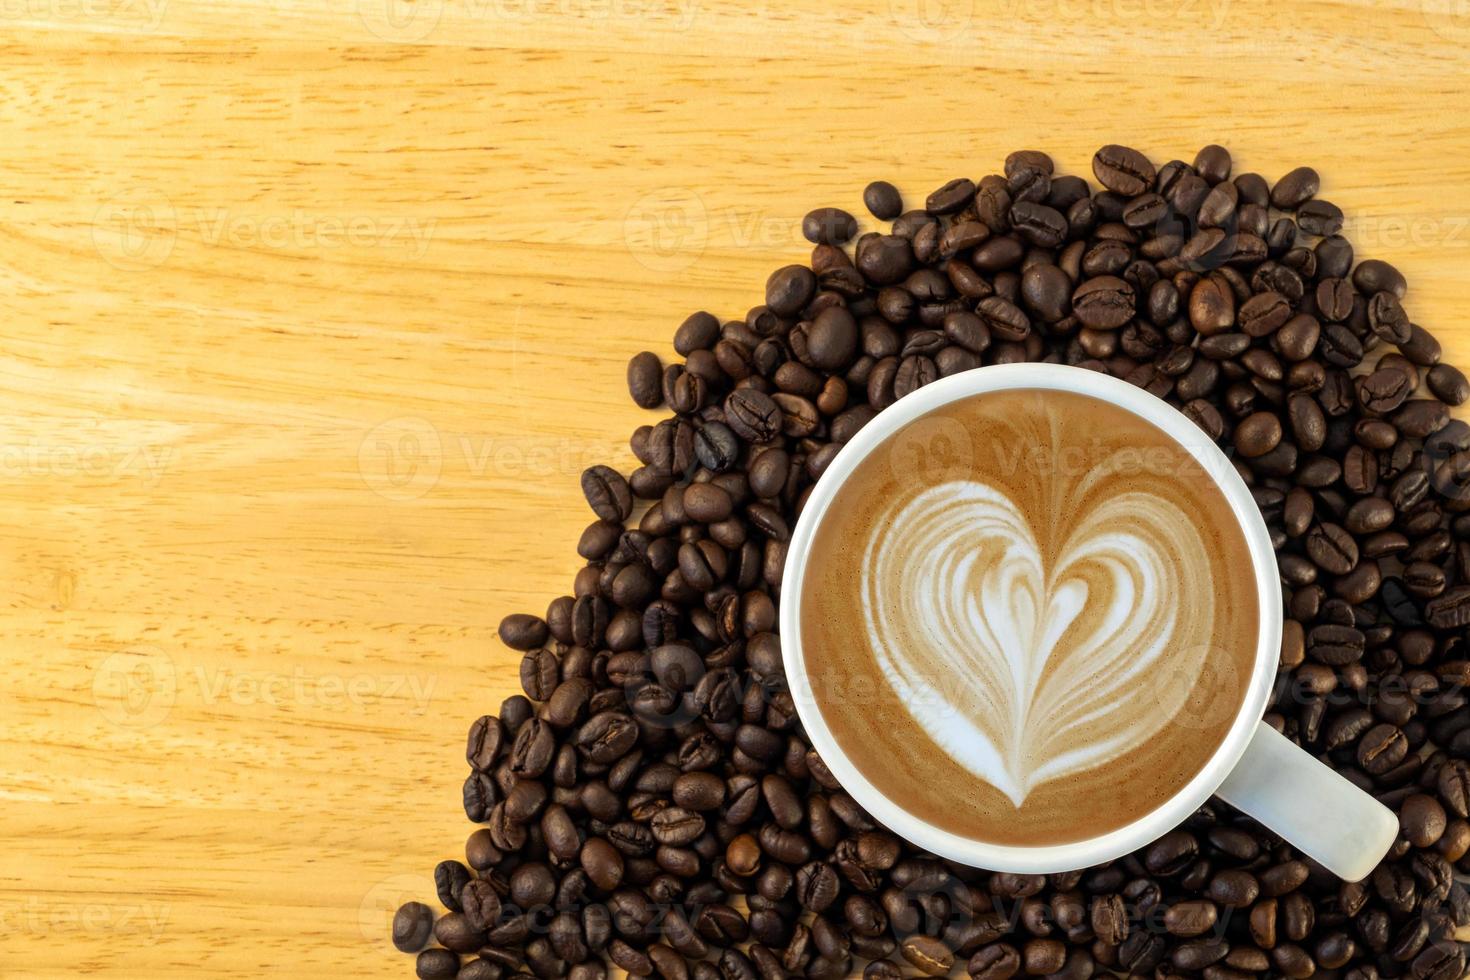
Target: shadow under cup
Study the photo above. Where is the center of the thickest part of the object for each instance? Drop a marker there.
(1031, 616)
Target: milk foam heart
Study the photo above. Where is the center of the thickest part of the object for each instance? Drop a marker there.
(1029, 617)
(1037, 652)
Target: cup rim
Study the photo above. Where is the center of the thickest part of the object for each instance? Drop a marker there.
(1075, 855)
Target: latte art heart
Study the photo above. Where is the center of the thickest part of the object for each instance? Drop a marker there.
(1022, 657)
(1028, 617)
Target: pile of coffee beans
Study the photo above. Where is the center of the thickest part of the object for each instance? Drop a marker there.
(652, 802)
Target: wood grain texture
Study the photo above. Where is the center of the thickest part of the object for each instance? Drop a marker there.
(313, 312)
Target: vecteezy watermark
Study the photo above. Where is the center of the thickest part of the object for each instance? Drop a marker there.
(403, 458)
(35, 457)
(62, 920)
(1424, 691)
(139, 688)
(400, 21)
(135, 688)
(934, 449)
(136, 15)
(1385, 233)
(932, 21)
(135, 229)
(301, 688)
(303, 230)
(931, 450)
(139, 228)
(1174, 462)
(666, 230)
(412, 21)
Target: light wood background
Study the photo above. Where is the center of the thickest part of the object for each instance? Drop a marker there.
(312, 312)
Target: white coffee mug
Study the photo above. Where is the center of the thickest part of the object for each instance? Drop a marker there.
(1254, 768)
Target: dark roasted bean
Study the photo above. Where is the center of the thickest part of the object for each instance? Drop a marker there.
(658, 768)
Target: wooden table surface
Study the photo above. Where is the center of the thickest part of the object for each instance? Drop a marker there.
(314, 311)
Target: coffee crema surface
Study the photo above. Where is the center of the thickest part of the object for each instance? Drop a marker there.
(1029, 617)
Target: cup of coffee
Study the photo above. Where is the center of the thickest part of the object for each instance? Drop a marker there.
(1031, 618)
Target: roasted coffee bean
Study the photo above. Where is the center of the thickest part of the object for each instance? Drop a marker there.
(481, 904)
(1046, 291)
(479, 796)
(829, 226)
(450, 878)
(752, 415)
(539, 672)
(523, 632)
(1292, 961)
(436, 964)
(1450, 610)
(607, 493)
(1043, 226)
(1123, 170)
(1318, 217)
(1381, 748)
(832, 342)
(482, 748)
(1264, 313)
(1257, 434)
(413, 923)
(676, 827)
(1448, 384)
(790, 288)
(1332, 549)
(1192, 918)
(913, 373)
(1206, 249)
(1171, 853)
(951, 197)
(882, 970)
(455, 932)
(883, 200)
(664, 770)
(1234, 888)
(1212, 306)
(1213, 163)
(930, 956)
(1003, 319)
(607, 736)
(1297, 338)
(1419, 418)
(1334, 299)
(1422, 820)
(1387, 319)
(995, 961)
(1422, 348)
(816, 886)
(1217, 208)
(1103, 303)
(532, 751)
(1109, 919)
(1308, 424)
(603, 863)
(1377, 276)
(1295, 189)
(645, 380)
(1454, 786)
(1040, 957)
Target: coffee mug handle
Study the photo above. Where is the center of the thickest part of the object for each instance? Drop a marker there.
(1316, 810)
